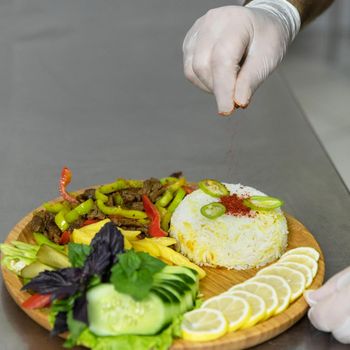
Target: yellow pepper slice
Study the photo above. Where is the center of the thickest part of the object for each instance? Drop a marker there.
(160, 251)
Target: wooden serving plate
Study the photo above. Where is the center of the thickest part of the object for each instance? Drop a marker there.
(217, 281)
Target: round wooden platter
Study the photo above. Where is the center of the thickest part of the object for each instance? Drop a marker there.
(217, 281)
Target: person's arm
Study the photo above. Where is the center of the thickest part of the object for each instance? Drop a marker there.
(308, 9)
(231, 50)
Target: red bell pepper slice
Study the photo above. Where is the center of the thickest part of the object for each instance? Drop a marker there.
(189, 188)
(90, 222)
(152, 212)
(37, 301)
(65, 238)
(66, 177)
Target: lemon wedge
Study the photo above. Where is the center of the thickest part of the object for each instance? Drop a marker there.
(235, 309)
(257, 306)
(281, 287)
(302, 259)
(311, 252)
(305, 270)
(263, 290)
(295, 279)
(203, 325)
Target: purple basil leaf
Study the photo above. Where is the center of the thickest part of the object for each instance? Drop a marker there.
(60, 283)
(105, 247)
(80, 309)
(60, 325)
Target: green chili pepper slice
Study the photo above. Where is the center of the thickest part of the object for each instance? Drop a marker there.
(118, 199)
(61, 221)
(42, 239)
(120, 184)
(263, 203)
(102, 197)
(131, 214)
(213, 188)
(82, 209)
(213, 210)
(165, 199)
(176, 185)
(179, 196)
(53, 207)
(168, 180)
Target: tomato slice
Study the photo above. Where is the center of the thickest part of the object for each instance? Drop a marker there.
(37, 301)
(65, 238)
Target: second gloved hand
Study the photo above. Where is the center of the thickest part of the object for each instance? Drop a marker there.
(232, 49)
(330, 306)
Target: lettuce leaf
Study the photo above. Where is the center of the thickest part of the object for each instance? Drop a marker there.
(161, 341)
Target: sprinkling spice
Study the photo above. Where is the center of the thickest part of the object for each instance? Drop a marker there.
(235, 205)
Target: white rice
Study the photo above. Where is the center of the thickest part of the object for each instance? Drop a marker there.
(238, 242)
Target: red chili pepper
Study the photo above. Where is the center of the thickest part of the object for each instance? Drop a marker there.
(66, 177)
(151, 210)
(89, 222)
(65, 238)
(37, 301)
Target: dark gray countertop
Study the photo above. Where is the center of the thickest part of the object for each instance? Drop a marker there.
(98, 86)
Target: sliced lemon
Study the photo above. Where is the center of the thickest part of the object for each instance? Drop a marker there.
(203, 325)
(262, 290)
(235, 309)
(302, 259)
(311, 252)
(257, 306)
(295, 279)
(305, 270)
(281, 287)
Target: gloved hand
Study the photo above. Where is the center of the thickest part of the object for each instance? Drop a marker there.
(330, 306)
(232, 49)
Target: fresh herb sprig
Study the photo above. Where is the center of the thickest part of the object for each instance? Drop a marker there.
(73, 282)
(134, 273)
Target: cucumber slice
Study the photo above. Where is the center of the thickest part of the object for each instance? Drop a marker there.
(50, 256)
(181, 269)
(33, 269)
(185, 298)
(114, 313)
(173, 303)
(180, 277)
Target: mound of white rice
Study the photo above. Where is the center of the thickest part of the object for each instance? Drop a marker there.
(238, 242)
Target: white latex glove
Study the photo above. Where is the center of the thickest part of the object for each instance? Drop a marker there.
(231, 50)
(330, 306)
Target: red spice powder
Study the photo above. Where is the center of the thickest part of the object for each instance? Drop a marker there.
(235, 206)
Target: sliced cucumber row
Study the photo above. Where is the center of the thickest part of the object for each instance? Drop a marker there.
(112, 313)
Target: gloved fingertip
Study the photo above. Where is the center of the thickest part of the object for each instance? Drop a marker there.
(226, 114)
(308, 295)
(242, 96)
(225, 107)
